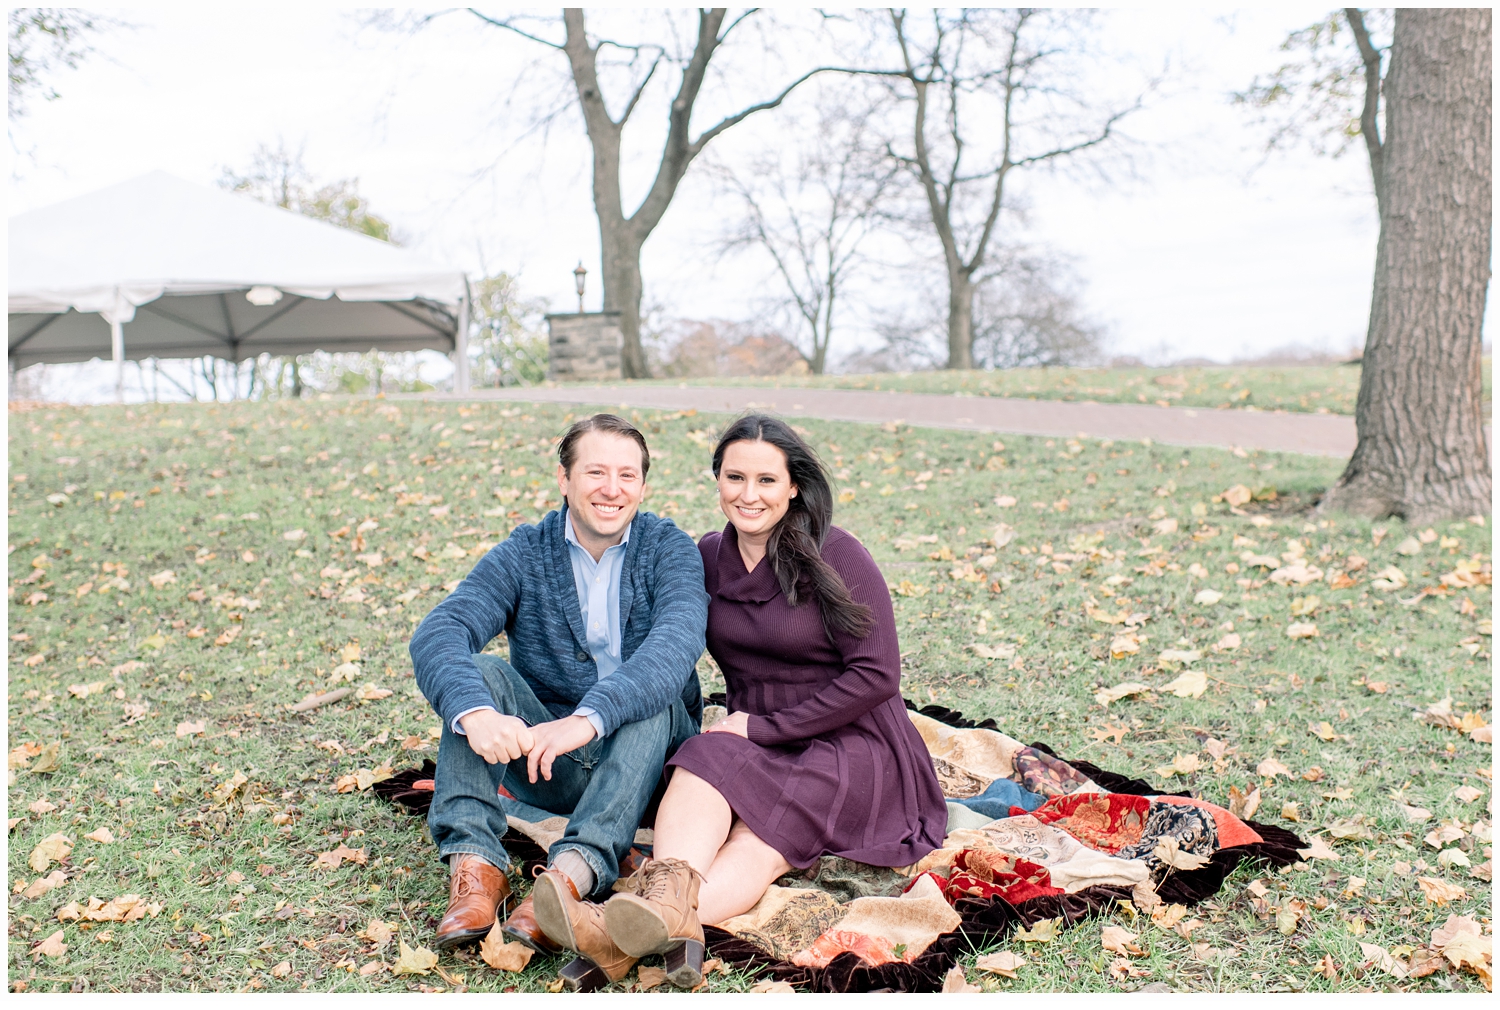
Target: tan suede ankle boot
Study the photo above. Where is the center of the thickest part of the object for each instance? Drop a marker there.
(662, 918)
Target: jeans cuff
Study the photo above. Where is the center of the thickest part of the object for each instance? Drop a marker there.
(588, 855)
(500, 860)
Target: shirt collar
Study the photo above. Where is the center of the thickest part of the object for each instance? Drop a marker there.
(572, 538)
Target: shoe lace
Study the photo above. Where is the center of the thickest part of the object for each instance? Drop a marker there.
(659, 878)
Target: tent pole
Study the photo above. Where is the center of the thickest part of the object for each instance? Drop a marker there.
(461, 345)
(117, 350)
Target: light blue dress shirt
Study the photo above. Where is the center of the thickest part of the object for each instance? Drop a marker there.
(598, 584)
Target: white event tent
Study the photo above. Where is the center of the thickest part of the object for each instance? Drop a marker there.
(161, 268)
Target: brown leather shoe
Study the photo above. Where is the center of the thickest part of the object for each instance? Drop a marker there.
(522, 928)
(475, 890)
(662, 918)
(578, 925)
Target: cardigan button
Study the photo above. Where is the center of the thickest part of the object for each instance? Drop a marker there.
(583, 657)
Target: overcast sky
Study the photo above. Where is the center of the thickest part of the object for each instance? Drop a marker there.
(1207, 248)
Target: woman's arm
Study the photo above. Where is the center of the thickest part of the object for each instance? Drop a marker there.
(872, 665)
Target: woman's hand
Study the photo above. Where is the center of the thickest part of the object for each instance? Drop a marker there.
(737, 723)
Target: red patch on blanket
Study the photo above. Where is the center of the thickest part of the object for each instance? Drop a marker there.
(1104, 821)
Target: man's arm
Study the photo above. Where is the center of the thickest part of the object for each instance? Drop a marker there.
(461, 626)
(652, 678)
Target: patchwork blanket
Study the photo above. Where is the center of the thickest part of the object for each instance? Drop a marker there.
(1032, 836)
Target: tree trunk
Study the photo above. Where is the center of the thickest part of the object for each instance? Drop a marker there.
(960, 320)
(1421, 454)
(621, 256)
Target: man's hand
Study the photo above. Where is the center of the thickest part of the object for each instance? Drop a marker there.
(499, 739)
(554, 739)
(737, 723)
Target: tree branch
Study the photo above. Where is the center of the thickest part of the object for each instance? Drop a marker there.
(512, 28)
(1369, 124)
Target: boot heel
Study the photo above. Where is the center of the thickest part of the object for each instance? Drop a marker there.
(685, 964)
(583, 975)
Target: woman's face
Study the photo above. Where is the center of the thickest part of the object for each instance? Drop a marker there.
(755, 488)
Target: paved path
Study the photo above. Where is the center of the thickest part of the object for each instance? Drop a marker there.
(1316, 434)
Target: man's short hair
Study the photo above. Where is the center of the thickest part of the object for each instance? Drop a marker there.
(567, 449)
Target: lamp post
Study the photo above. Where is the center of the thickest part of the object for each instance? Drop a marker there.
(578, 276)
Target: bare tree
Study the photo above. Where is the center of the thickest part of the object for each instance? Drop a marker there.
(42, 42)
(1421, 105)
(1421, 453)
(992, 91)
(810, 211)
(621, 236)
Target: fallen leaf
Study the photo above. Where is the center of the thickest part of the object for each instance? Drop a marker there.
(957, 981)
(1244, 805)
(1124, 645)
(1117, 939)
(190, 728)
(49, 759)
(504, 955)
(1208, 597)
(229, 788)
(1182, 764)
(42, 885)
(1381, 958)
(1302, 630)
(1043, 931)
(1443, 834)
(1440, 892)
(1467, 794)
(282, 970)
(1228, 642)
(1121, 968)
(649, 978)
(765, 985)
(42, 806)
(1415, 814)
(1168, 916)
(1188, 684)
(1108, 730)
(378, 932)
(1237, 495)
(103, 836)
(1003, 962)
(1108, 695)
(52, 849)
(1288, 915)
(1169, 853)
(412, 962)
(161, 579)
(1289, 812)
(1323, 731)
(334, 858)
(1345, 828)
(1270, 768)
(53, 946)
(1179, 656)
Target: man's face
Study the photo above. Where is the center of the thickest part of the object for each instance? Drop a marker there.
(605, 487)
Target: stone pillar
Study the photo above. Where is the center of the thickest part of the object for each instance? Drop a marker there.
(583, 346)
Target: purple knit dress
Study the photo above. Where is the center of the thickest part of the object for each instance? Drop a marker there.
(832, 766)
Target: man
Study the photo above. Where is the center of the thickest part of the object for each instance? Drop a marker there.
(604, 610)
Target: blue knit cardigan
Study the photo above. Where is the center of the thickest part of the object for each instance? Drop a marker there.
(524, 587)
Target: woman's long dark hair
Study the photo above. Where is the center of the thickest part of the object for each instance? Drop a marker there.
(795, 549)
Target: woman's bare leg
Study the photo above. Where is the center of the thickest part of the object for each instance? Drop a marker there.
(692, 823)
(744, 867)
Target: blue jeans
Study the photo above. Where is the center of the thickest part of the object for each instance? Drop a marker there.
(603, 787)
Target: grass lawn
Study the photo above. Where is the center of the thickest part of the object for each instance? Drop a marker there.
(181, 575)
(1323, 389)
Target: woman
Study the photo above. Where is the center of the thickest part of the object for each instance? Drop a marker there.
(817, 756)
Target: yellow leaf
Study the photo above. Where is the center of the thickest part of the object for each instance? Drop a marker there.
(1044, 931)
(1323, 731)
(1188, 684)
(504, 955)
(1168, 852)
(52, 849)
(1270, 768)
(48, 761)
(413, 962)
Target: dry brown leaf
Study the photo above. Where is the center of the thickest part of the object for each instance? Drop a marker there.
(1188, 684)
(1106, 696)
(190, 728)
(378, 932)
(1381, 958)
(1168, 916)
(1118, 940)
(1414, 814)
(1121, 968)
(42, 885)
(52, 849)
(957, 981)
(1468, 794)
(1244, 805)
(1006, 963)
(1168, 852)
(103, 836)
(766, 985)
(1440, 892)
(282, 970)
(1270, 768)
(53, 946)
(504, 955)
(334, 858)
(48, 761)
(1443, 834)
(1318, 849)
(1043, 931)
(648, 977)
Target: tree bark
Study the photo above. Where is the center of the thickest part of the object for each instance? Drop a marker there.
(960, 319)
(1421, 454)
